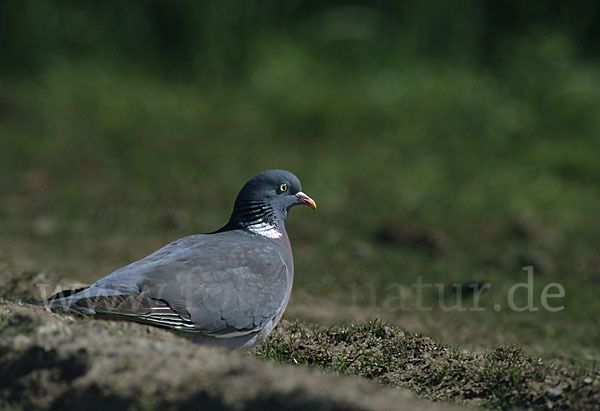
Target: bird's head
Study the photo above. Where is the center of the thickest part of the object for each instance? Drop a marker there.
(269, 194)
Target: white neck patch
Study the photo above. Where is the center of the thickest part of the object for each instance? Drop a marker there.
(264, 229)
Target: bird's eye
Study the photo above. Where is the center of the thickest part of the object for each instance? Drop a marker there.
(283, 187)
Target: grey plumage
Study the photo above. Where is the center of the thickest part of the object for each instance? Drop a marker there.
(229, 288)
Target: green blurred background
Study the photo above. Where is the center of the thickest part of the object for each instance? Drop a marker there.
(456, 141)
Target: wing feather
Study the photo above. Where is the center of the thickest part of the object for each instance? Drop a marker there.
(223, 285)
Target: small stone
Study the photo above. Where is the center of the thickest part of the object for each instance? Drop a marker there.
(554, 392)
(588, 380)
(388, 330)
(21, 342)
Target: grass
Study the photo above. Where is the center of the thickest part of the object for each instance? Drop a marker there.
(504, 378)
(451, 174)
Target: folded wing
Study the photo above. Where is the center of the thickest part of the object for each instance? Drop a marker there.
(221, 285)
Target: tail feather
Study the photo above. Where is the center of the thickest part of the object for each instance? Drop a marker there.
(60, 300)
(65, 293)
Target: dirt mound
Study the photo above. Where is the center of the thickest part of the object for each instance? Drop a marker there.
(50, 361)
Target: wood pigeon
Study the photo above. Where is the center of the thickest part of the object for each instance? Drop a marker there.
(227, 288)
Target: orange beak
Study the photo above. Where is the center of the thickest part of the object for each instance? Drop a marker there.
(306, 200)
